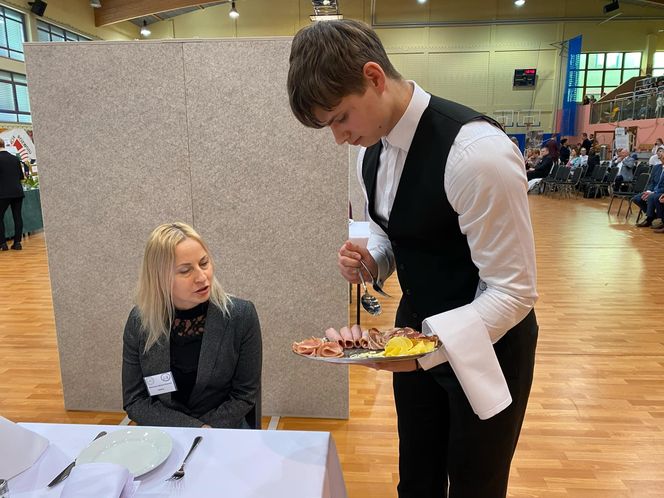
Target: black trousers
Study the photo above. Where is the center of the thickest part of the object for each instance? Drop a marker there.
(16, 203)
(440, 437)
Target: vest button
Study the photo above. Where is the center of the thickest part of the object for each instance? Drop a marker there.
(482, 286)
(414, 315)
(402, 266)
(408, 292)
(394, 243)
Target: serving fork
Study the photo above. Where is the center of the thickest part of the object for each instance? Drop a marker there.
(179, 474)
(369, 302)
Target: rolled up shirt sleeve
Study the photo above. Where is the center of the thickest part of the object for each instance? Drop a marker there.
(486, 185)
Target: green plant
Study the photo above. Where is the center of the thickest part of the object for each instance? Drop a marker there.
(31, 182)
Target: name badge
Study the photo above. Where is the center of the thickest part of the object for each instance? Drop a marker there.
(160, 384)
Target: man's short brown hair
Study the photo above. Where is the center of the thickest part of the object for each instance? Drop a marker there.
(326, 64)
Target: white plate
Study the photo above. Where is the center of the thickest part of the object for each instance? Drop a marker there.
(138, 449)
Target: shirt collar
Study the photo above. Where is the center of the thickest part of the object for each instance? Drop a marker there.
(402, 134)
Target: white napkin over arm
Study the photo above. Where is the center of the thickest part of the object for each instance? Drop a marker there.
(468, 348)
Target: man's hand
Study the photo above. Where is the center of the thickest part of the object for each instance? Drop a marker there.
(645, 195)
(661, 199)
(348, 260)
(394, 366)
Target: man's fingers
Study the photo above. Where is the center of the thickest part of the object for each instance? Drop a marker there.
(346, 262)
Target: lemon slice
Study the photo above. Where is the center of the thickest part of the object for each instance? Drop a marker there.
(398, 346)
(418, 348)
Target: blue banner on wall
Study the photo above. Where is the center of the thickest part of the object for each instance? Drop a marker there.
(569, 104)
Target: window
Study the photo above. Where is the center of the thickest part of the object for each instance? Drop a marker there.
(49, 32)
(603, 72)
(658, 64)
(12, 34)
(14, 103)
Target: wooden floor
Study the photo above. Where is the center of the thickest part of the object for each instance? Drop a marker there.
(595, 422)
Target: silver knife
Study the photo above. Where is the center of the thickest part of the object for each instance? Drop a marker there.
(65, 473)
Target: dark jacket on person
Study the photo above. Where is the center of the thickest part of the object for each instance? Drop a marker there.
(542, 169)
(227, 389)
(655, 175)
(587, 144)
(11, 174)
(564, 154)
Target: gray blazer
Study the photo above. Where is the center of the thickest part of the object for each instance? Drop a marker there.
(227, 389)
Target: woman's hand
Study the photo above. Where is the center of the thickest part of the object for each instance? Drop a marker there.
(205, 426)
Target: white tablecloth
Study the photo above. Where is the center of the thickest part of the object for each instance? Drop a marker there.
(227, 463)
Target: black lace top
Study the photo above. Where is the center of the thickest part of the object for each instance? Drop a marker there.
(186, 338)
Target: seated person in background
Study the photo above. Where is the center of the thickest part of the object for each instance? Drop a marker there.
(532, 159)
(554, 148)
(583, 157)
(574, 160)
(592, 159)
(543, 168)
(626, 166)
(515, 141)
(184, 324)
(654, 159)
(649, 199)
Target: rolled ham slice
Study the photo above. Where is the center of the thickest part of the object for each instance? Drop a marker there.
(307, 347)
(330, 350)
(356, 332)
(347, 337)
(377, 339)
(334, 336)
(364, 340)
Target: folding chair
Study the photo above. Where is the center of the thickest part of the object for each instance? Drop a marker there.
(636, 188)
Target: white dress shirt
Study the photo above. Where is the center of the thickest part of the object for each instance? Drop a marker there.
(485, 183)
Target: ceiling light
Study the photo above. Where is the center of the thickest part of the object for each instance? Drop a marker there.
(519, 3)
(233, 14)
(326, 2)
(95, 3)
(144, 30)
(325, 17)
(421, 1)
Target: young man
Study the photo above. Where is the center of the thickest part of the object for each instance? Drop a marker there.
(446, 192)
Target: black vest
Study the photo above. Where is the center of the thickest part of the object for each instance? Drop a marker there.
(433, 260)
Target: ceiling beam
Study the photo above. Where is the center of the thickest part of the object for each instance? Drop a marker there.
(113, 11)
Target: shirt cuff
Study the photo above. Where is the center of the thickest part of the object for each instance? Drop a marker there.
(468, 348)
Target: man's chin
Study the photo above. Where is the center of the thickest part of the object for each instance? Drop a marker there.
(367, 142)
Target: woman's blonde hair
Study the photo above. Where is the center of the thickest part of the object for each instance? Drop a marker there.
(154, 297)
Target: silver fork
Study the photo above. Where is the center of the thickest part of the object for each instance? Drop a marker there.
(179, 474)
(374, 283)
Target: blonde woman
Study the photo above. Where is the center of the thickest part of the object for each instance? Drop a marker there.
(192, 354)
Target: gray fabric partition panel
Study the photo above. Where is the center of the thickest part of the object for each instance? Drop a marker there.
(133, 134)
